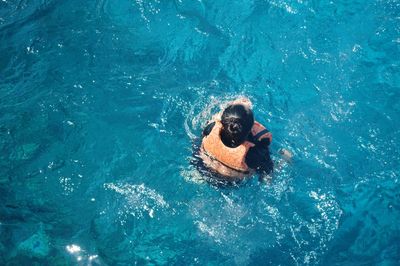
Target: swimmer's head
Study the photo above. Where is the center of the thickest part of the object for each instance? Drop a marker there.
(237, 121)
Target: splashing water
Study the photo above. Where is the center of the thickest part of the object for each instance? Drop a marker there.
(101, 105)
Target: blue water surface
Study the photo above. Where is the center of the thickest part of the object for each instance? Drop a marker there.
(101, 102)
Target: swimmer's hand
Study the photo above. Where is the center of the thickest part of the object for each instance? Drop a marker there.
(286, 155)
(286, 158)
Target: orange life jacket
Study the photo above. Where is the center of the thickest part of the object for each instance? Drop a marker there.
(233, 158)
(259, 132)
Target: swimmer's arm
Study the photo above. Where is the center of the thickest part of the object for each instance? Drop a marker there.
(259, 159)
(208, 129)
(262, 143)
(265, 142)
(286, 158)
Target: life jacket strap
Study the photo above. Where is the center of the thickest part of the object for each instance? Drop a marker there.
(230, 167)
(259, 134)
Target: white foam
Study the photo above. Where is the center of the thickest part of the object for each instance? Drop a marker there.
(139, 198)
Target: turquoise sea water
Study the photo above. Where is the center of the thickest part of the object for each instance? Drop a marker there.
(101, 102)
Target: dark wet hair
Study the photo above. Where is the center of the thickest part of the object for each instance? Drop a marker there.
(237, 121)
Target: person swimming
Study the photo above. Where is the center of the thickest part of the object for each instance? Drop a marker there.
(234, 145)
